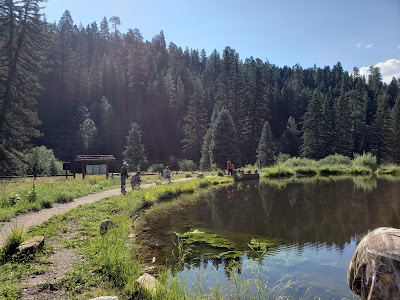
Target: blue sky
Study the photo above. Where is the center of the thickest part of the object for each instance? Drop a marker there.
(322, 32)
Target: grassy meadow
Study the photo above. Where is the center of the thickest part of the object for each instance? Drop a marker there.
(111, 262)
(22, 195)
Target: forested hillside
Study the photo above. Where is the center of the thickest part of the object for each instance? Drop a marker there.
(77, 89)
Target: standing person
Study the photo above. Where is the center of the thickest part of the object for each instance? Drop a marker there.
(229, 166)
(124, 176)
(260, 165)
(167, 174)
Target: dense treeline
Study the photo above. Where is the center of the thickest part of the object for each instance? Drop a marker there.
(82, 88)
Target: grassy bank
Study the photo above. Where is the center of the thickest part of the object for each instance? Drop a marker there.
(110, 263)
(22, 195)
(333, 165)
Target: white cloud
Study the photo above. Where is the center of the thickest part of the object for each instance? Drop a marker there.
(389, 69)
(370, 45)
(359, 44)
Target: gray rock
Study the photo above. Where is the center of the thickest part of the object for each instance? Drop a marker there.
(31, 245)
(374, 270)
(105, 225)
(148, 283)
(200, 175)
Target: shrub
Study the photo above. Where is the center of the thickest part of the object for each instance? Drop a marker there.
(220, 173)
(360, 170)
(331, 170)
(13, 240)
(296, 162)
(173, 163)
(306, 171)
(188, 175)
(41, 161)
(187, 165)
(388, 169)
(46, 203)
(14, 199)
(335, 159)
(64, 198)
(282, 157)
(365, 160)
(278, 172)
(214, 167)
(156, 168)
(32, 194)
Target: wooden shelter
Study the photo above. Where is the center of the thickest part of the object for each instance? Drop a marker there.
(87, 159)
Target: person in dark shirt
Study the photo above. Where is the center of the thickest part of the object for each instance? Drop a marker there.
(124, 176)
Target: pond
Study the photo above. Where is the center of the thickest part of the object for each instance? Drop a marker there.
(270, 239)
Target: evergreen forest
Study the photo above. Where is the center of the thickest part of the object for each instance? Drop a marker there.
(84, 89)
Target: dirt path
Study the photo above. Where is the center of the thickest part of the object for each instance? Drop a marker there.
(25, 221)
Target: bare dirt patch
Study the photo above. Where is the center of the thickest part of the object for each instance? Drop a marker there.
(62, 263)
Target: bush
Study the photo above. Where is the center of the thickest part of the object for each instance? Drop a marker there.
(157, 168)
(335, 159)
(278, 171)
(64, 198)
(32, 195)
(388, 169)
(220, 173)
(14, 199)
(13, 240)
(365, 160)
(188, 175)
(306, 171)
(41, 161)
(296, 162)
(282, 157)
(173, 163)
(46, 203)
(331, 170)
(187, 165)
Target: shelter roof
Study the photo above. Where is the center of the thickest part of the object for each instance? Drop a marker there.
(94, 157)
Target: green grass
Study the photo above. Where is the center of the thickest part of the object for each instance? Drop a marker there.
(23, 195)
(389, 169)
(111, 263)
(18, 196)
(332, 165)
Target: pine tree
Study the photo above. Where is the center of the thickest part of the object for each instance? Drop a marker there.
(396, 131)
(22, 42)
(266, 149)
(313, 120)
(223, 140)
(205, 160)
(195, 125)
(254, 109)
(291, 138)
(88, 137)
(134, 153)
(343, 129)
(381, 129)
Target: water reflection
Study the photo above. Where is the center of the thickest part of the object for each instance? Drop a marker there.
(321, 222)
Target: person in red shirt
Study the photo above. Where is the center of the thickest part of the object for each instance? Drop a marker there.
(229, 166)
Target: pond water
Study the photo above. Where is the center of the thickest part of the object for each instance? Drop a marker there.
(316, 224)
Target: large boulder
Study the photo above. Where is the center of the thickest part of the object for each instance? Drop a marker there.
(106, 225)
(31, 245)
(148, 283)
(374, 270)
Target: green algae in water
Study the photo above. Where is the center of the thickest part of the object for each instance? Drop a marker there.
(209, 239)
(263, 245)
